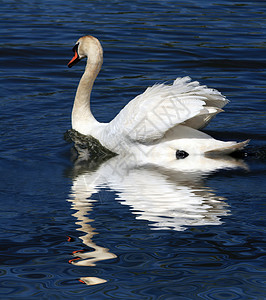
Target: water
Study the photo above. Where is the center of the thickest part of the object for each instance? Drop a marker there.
(143, 233)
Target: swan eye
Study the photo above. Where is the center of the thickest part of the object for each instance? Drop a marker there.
(75, 48)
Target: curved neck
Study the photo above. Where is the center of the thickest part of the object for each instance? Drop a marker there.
(82, 118)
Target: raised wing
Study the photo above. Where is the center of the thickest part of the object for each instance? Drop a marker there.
(148, 116)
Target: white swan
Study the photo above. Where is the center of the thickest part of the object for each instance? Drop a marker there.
(160, 124)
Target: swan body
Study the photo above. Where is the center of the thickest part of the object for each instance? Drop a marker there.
(156, 123)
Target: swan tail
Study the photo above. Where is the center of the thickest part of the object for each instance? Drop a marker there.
(227, 150)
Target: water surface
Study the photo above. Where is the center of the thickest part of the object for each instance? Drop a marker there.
(79, 230)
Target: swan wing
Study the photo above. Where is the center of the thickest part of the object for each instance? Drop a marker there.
(148, 116)
(214, 100)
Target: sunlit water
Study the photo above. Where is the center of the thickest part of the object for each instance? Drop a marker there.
(77, 230)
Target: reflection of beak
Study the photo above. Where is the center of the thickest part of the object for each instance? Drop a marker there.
(74, 60)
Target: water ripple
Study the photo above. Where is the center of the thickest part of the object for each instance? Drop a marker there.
(184, 238)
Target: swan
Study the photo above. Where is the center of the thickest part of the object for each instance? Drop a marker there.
(160, 124)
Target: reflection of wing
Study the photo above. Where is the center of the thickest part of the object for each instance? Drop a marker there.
(169, 205)
(162, 107)
(172, 199)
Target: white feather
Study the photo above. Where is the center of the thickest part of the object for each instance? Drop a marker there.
(155, 124)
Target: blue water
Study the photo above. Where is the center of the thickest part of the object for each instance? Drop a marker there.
(157, 235)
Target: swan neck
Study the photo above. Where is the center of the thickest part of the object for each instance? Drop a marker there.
(82, 117)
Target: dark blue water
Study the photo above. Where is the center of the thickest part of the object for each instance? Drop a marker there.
(157, 235)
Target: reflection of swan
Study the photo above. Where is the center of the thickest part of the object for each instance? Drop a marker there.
(171, 202)
(159, 124)
(165, 197)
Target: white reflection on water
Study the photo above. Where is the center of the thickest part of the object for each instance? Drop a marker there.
(83, 206)
(170, 197)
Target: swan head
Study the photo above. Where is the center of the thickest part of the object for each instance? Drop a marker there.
(87, 46)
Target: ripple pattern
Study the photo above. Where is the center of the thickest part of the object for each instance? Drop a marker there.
(129, 251)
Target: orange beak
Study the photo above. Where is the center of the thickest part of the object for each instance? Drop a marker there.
(75, 58)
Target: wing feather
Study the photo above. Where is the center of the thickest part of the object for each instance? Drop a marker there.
(149, 115)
